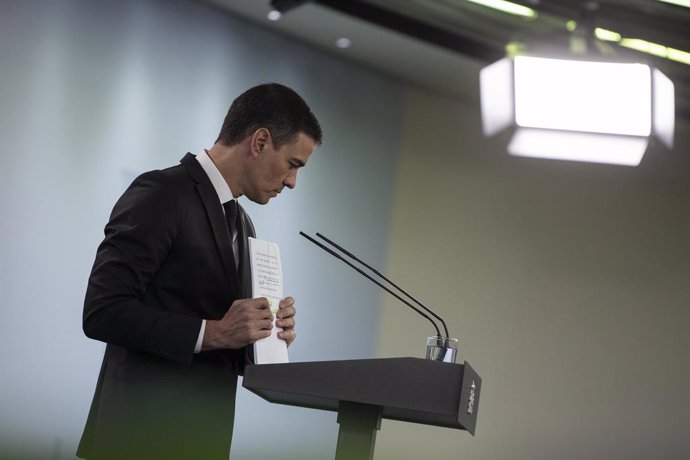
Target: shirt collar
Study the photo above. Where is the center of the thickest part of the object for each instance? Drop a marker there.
(219, 183)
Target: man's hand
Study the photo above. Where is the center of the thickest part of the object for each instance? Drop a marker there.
(286, 320)
(247, 321)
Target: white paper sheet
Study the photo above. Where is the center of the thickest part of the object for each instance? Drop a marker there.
(267, 281)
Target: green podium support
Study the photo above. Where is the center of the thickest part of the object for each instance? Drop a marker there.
(358, 426)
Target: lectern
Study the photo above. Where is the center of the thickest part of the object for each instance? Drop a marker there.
(365, 391)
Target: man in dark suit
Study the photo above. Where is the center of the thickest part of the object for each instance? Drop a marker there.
(170, 286)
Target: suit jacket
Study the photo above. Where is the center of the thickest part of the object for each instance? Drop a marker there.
(165, 264)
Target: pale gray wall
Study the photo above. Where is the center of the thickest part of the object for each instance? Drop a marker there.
(566, 284)
(94, 92)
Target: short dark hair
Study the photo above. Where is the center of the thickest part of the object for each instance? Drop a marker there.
(272, 106)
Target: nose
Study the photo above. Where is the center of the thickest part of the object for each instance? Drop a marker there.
(291, 180)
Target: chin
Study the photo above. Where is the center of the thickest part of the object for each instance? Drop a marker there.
(261, 199)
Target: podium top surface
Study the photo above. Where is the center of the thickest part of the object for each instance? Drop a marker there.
(408, 389)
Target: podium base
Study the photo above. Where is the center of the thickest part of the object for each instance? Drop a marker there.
(357, 434)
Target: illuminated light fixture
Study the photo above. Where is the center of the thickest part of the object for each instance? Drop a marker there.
(343, 43)
(274, 15)
(508, 7)
(577, 110)
(656, 50)
(607, 35)
(513, 49)
(679, 56)
(643, 46)
(685, 3)
(571, 25)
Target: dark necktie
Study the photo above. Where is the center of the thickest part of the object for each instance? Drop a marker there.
(234, 221)
(231, 216)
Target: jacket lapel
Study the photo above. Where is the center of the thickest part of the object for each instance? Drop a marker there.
(214, 211)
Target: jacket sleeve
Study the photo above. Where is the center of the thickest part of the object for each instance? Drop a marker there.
(139, 236)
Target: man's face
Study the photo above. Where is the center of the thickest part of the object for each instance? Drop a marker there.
(275, 169)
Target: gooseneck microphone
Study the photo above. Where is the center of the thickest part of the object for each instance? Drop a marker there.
(381, 275)
(439, 348)
(370, 278)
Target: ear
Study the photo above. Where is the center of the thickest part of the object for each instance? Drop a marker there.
(261, 140)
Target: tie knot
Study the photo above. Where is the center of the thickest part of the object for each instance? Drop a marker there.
(231, 209)
(231, 214)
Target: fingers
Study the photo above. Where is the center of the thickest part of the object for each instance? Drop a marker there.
(257, 335)
(286, 302)
(260, 303)
(251, 309)
(286, 309)
(249, 320)
(255, 330)
(246, 321)
(285, 319)
(287, 323)
(289, 335)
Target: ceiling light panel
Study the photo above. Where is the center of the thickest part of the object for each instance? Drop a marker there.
(507, 7)
(595, 97)
(684, 3)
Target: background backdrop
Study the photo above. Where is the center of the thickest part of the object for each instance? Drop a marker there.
(566, 283)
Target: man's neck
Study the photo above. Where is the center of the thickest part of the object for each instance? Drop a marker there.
(227, 160)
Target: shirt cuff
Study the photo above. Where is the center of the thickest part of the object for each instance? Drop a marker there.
(200, 339)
